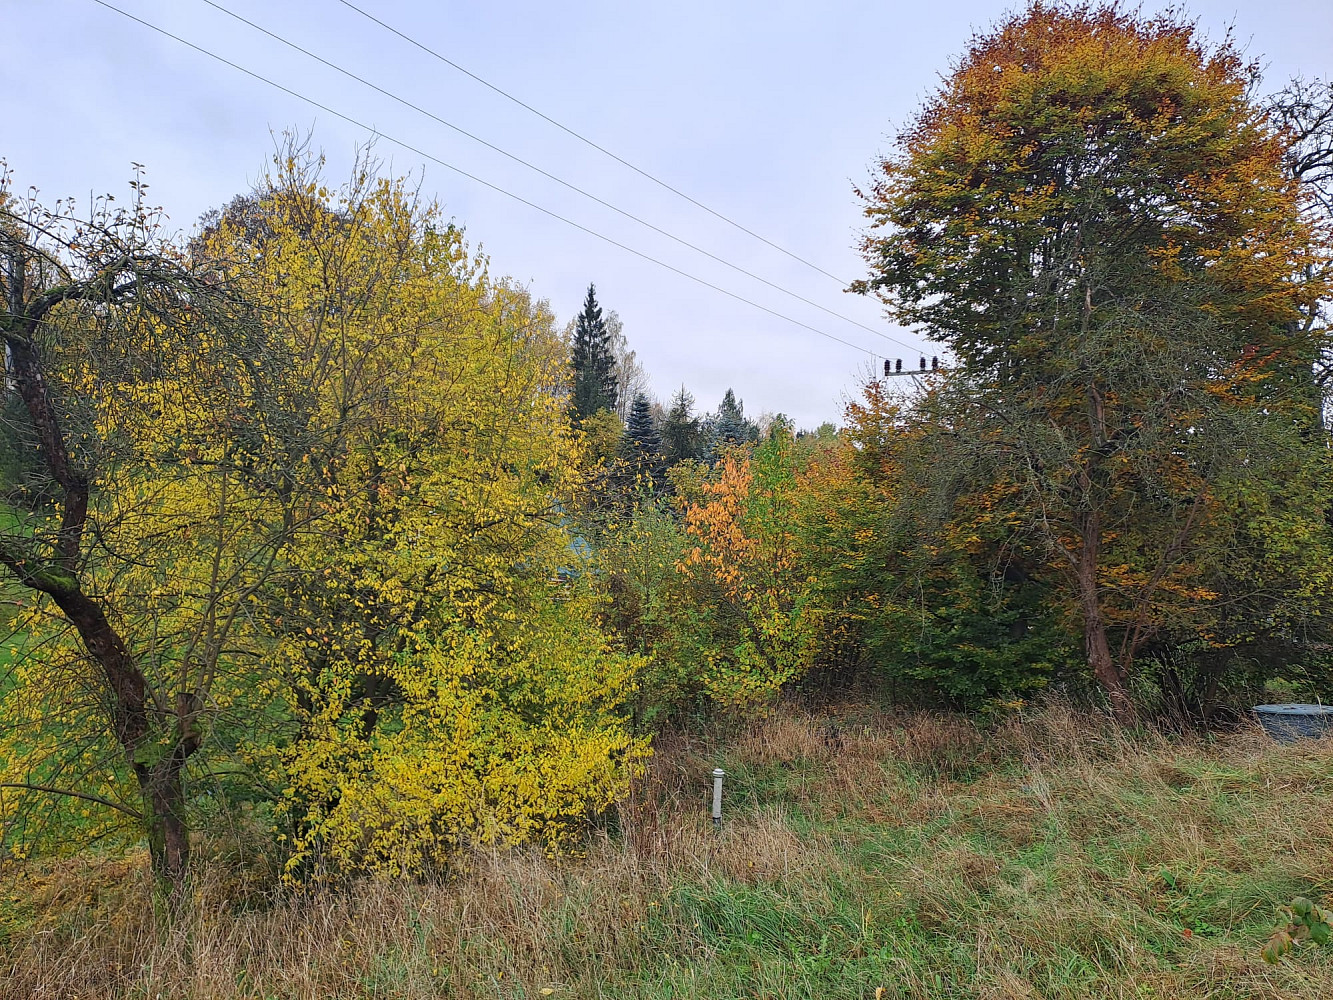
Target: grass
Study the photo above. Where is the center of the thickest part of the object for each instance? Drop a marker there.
(921, 856)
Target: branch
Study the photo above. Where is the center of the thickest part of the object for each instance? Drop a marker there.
(31, 571)
(1134, 639)
(74, 795)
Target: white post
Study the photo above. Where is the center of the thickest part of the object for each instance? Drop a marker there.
(718, 775)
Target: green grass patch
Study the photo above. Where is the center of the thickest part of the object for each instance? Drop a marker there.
(1061, 859)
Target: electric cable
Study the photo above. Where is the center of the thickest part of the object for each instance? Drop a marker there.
(550, 176)
(485, 183)
(584, 139)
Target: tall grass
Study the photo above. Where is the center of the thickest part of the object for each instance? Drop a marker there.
(1048, 856)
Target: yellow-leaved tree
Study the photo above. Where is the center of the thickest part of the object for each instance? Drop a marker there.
(445, 685)
(290, 534)
(136, 386)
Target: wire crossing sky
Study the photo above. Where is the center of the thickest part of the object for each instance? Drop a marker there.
(573, 187)
(584, 139)
(763, 115)
(380, 134)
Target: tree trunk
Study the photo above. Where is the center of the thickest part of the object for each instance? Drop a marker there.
(160, 780)
(1104, 667)
(137, 722)
(164, 807)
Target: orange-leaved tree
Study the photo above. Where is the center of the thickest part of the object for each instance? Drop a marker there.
(1094, 218)
(746, 531)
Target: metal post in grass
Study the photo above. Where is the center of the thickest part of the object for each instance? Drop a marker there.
(718, 775)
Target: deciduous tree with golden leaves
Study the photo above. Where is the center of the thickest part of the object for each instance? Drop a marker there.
(300, 530)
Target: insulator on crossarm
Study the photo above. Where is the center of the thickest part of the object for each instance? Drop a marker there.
(886, 367)
(923, 362)
(934, 364)
(900, 364)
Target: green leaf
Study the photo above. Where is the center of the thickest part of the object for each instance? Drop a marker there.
(1278, 945)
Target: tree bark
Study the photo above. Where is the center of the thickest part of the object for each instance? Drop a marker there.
(168, 830)
(159, 771)
(1104, 666)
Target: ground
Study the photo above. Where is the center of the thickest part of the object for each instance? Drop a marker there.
(862, 855)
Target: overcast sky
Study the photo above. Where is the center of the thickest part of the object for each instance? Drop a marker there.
(767, 112)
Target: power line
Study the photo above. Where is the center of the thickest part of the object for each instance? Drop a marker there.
(584, 139)
(531, 166)
(473, 177)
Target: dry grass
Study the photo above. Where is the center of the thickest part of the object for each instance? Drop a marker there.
(1049, 856)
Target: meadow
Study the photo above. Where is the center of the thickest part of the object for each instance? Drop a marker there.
(863, 854)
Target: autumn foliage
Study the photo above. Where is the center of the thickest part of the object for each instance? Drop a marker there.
(745, 529)
(306, 528)
(1098, 223)
(323, 530)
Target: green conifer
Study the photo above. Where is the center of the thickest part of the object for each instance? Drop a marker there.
(642, 449)
(729, 427)
(641, 432)
(682, 436)
(593, 386)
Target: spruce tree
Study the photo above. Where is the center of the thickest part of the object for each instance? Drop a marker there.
(642, 449)
(682, 437)
(641, 435)
(594, 383)
(729, 426)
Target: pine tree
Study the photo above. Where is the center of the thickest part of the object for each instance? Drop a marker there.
(729, 426)
(592, 361)
(682, 437)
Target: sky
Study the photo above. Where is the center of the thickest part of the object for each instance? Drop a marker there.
(769, 113)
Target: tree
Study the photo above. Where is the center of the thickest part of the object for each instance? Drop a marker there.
(682, 437)
(642, 428)
(299, 513)
(1303, 110)
(594, 365)
(145, 384)
(441, 686)
(1095, 220)
(768, 616)
(643, 442)
(728, 427)
(631, 377)
(657, 611)
(948, 604)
